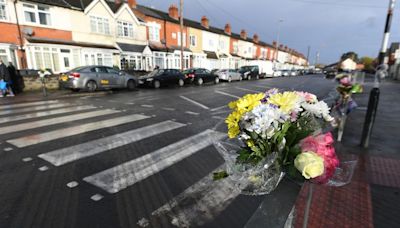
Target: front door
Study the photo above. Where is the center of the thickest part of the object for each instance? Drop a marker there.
(66, 63)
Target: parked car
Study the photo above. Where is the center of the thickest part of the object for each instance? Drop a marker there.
(293, 73)
(200, 76)
(285, 73)
(331, 73)
(161, 77)
(249, 72)
(277, 73)
(93, 78)
(229, 75)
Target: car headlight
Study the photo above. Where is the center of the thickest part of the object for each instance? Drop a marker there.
(149, 79)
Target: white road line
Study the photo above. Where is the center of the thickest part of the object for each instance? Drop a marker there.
(201, 202)
(29, 104)
(53, 121)
(147, 106)
(218, 117)
(169, 109)
(77, 152)
(192, 113)
(249, 90)
(76, 130)
(37, 108)
(262, 87)
(45, 113)
(194, 102)
(219, 108)
(122, 176)
(226, 94)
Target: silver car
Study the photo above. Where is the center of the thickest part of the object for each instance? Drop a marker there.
(229, 75)
(92, 78)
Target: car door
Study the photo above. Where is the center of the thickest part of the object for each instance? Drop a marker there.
(104, 79)
(116, 79)
(208, 76)
(199, 73)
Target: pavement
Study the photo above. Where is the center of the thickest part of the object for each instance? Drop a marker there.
(145, 158)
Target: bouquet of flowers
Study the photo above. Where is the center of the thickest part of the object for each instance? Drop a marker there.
(274, 133)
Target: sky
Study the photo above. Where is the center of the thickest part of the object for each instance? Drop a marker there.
(330, 27)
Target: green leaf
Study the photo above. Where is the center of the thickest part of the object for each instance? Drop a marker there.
(220, 175)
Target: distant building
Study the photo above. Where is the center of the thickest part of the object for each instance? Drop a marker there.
(393, 55)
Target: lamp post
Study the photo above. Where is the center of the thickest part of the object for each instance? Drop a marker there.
(181, 28)
(277, 41)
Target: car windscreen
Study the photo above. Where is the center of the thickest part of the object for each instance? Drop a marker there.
(155, 73)
(188, 71)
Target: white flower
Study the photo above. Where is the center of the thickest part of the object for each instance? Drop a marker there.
(264, 120)
(319, 109)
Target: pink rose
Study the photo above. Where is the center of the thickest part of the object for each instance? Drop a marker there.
(309, 144)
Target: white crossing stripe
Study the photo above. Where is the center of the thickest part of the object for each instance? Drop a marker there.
(122, 176)
(58, 120)
(29, 104)
(37, 108)
(249, 90)
(76, 152)
(45, 113)
(76, 130)
(226, 94)
(194, 102)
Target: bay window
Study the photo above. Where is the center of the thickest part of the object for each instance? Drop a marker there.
(99, 25)
(154, 31)
(37, 14)
(3, 14)
(125, 29)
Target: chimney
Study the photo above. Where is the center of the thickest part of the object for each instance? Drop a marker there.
(274, 43)
(281, 46)
(243, 34)
(286, 48)
(204, 22)
(228, 29)
(132, 4)
(173, 12)
(255, 38)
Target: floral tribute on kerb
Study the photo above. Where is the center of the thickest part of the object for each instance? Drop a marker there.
(276, 133)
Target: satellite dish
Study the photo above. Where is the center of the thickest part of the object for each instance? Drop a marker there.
(28, 31)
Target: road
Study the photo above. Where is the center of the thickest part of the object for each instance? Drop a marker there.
(128, 159)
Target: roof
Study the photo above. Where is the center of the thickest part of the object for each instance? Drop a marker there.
(131, 47)
(236, 55)
(211, 55)
(113, 6)
(178, 48)
(67, 42)
(60, 3)
(157, 46)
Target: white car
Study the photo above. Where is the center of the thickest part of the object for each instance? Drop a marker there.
(277, 73)
(228, 75)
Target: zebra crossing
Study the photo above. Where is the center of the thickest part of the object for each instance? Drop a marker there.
(60, 116)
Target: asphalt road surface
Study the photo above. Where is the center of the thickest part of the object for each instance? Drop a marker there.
(128, 159)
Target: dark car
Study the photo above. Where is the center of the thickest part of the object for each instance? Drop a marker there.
(200, 76)
(331, 73)
(249, 72)
(160, 77)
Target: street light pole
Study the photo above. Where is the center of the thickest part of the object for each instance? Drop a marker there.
(277, 41)
(374, 94)
(181, 28)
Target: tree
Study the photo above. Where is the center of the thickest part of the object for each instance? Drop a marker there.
(368, 63)
(351, 54)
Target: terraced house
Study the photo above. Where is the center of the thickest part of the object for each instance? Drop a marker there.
(63, 34)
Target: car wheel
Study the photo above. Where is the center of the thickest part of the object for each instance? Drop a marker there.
(199, 81)
(156, 84)
(181, 82)
(91, 86)
(249, 77)
(240, 78)
(216, 80)
(131, 85)
(230, 79)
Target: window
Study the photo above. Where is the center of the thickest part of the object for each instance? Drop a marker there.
(44, 57)
(235, 47)
(3, 14)
(37, 14)
(3, 55)
(221, 44)
(173, 35)
(99, 25)
(154, 31)
(211, 43)
(179, 39)
(125, 29)
(192, 40)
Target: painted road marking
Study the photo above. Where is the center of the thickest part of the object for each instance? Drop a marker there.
(76, 130)
(53, 121)
(219, 108)
(192, 113)
(72, 184)
(96, 197)
(37, 108)
(29, 104)
(194, 102)
(169, 109)
(27, 159)
(249, 90)
(45, 113)
(226, 94)
(77, 152)
(43, 168)
(147, 106)
(122, 176)
(262, 87)
(8, 149)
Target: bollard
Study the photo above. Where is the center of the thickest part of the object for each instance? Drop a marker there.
(370, 117)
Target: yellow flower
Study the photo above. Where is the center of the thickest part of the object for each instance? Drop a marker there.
(250, 143)
(249, 102)
(285, 101)
(309, 164)
(233, 132)
(232, 105)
